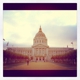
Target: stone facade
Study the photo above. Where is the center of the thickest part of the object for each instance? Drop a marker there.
(40, 49)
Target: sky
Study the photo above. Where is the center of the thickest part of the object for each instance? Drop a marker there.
(59, 26)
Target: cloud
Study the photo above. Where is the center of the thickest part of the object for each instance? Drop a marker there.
(59, 26)
(61, 36)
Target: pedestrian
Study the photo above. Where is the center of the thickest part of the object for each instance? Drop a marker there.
(27, 61)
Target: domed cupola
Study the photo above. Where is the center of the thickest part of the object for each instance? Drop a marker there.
(40, 38)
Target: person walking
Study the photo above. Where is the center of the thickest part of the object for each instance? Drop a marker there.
(27, 61)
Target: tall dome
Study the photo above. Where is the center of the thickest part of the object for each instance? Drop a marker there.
(40, 38)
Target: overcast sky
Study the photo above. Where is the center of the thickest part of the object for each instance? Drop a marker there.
(59, 26)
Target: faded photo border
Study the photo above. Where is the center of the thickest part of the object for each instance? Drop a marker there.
(40, 6)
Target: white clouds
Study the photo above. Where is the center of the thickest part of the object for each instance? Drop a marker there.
(25, 24)
(59, 18)
(7, 30)
(68, 18)
(56, 17)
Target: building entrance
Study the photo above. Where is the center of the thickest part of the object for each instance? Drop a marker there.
(40, 59)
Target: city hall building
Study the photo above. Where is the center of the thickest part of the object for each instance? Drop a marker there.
(40, 50)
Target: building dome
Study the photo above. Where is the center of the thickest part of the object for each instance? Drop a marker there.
(40, 34)
(40, 38)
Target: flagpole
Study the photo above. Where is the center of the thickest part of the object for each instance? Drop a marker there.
(4, 44)
(12, 46)
(72, 45)
(7, 44)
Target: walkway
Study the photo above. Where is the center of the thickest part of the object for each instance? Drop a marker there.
(39, 66)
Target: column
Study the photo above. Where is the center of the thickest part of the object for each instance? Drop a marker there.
(41, 51)
(33, 53)
(41, 58)
(38, 58)
(47, 57)
(38, 51)
(44, 50)
(47, 51)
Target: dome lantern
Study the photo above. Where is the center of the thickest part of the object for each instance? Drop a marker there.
(40, 30)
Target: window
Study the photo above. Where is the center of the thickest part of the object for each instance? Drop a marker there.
(40, 41)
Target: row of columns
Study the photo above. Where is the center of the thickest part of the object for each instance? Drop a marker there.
(40, 51)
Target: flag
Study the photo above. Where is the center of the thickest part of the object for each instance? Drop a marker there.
(71, 42)
(4, 39)
(7, 44)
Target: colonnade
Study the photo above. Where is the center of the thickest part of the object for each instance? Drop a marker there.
(40, 51)
(40, 54)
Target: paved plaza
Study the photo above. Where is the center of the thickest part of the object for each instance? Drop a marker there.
(39, 66)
